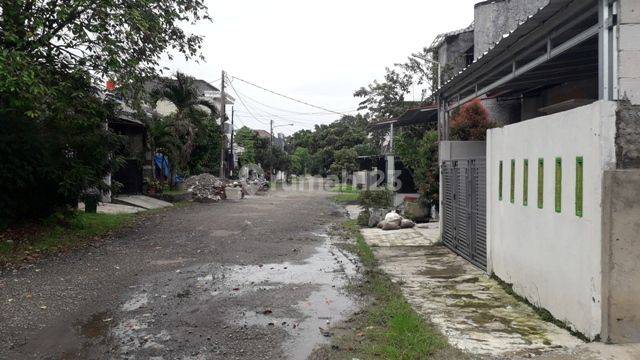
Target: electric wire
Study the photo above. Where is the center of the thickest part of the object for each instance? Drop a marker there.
(244, 104)
(289, 97)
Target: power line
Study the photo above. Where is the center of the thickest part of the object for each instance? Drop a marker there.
(243, 103)
(289, 97)
(296, 113)
(269, 116)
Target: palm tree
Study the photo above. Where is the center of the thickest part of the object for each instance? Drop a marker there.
(187, 119)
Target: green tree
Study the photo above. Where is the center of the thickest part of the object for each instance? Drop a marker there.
(48, 160)
(189, 119)
(205, 156)
(247, 138)
(300, 161)
(52, 53)
(418, 150)
(349, 132)
(345, 162)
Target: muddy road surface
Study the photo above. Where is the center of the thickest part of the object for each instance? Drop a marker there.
(254, 279)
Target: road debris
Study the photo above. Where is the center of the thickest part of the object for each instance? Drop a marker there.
(206, 188)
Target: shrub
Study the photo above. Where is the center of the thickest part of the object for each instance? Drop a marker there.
(363, 217)
(376, 198)
(51, 157)
(471, 123)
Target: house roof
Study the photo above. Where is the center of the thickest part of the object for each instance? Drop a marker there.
(441, 38)
(263, 134)
(525, 28)
(153, 84)
(420, 115)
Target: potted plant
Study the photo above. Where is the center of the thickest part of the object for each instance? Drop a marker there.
(91, 198)
(154, 187)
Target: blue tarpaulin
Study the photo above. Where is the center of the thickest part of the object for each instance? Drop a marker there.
(161, 163)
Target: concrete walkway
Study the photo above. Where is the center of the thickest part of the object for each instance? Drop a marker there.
(110, 208)
(472, 310)
(141, 201)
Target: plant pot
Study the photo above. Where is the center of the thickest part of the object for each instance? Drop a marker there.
(91, 204)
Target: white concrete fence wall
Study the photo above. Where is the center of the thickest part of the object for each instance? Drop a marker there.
(552, 258)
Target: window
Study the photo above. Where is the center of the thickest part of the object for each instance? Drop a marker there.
(579, 185)
(540, 183)
(512, 190)
(558, 189)
(525, 182)
(500, 182)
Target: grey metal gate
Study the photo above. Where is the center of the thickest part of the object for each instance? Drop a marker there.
(464, 209)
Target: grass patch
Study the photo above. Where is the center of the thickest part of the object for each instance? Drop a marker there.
(344, 188)
(347, 198)
(56, 233)
(388, 328)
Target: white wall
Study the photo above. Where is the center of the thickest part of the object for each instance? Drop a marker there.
(629, 51)
(552, 259)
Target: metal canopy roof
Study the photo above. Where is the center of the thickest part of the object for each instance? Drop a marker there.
(424, 115)
(530, 32)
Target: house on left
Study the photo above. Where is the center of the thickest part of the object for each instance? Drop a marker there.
(138, 158)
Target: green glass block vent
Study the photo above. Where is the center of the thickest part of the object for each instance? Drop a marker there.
(525, 182)
(500, 182)
(540, 183)
(558, 189)
(579, 186)
(512, 190)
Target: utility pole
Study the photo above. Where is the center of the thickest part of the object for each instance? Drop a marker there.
(223, 115)
(233, 162)
(271, 150)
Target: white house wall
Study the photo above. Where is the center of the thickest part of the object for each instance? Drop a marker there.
(553, 259)
(629, 51)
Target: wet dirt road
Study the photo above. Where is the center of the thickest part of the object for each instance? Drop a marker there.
(255, 279)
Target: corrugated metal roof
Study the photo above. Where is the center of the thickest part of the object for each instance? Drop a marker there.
(525, 28)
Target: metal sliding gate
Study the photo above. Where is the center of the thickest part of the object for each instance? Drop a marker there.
(464, 213)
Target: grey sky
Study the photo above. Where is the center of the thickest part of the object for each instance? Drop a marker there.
(317, 51)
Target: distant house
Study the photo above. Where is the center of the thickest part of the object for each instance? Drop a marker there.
(278, 140)
(395, 175)
(208, 93)
(206, 90)
(130, 174)
(550, 203)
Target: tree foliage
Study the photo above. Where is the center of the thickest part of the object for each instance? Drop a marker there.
(300, 161)
(471, 122)
(247, 138)
(416, 147)
(52, 55)
(192, 126)
(418, 150)
(344, 162)
(334, 147)
(47, 161)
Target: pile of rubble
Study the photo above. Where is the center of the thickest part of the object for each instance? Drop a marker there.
(206, 188)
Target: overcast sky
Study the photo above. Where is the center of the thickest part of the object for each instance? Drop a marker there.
(316, 51)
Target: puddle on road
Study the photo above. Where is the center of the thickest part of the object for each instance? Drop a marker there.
(328, 270)
(98, 325)
(314, 289)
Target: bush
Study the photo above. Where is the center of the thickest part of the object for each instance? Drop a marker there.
(51, 156)
(471, 123)
(376, 199)
(363, 217)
